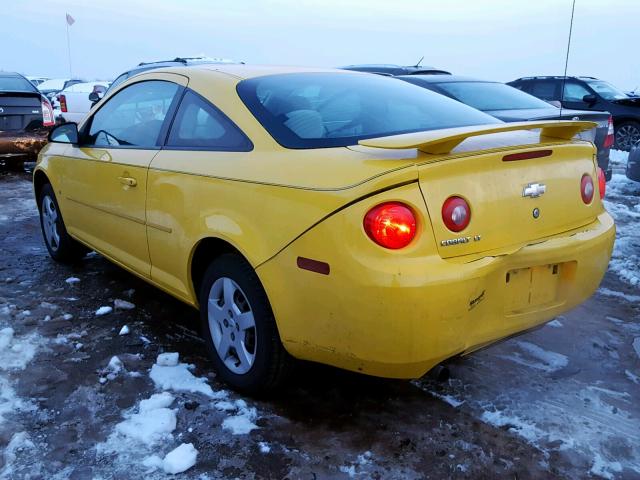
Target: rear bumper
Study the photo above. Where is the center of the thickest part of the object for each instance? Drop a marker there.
(22, 145)
(399, 320)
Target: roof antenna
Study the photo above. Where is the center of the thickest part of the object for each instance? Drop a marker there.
(419, 61)
(566, 60)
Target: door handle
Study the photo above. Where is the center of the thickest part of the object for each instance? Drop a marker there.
(131, 182)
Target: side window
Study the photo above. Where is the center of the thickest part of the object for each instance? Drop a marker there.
(133, 116)
(198, 124)
(573, 92)
(544, 89)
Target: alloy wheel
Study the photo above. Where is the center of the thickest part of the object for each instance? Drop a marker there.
(627, 136)
(50, 223)
(232, 325)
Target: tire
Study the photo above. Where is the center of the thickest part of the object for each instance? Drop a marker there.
(62, 248)
(627, 135)
(241, 333)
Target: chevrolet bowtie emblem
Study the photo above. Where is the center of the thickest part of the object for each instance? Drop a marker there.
(534, 190)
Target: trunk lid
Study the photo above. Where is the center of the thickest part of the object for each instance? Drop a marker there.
(20, 111)
(502, 217)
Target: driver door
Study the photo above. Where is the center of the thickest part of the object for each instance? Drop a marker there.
(105, 180)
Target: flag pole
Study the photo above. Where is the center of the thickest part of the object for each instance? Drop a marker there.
(68, 47)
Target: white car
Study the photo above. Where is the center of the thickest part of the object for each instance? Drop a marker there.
(37, 80)
(72, 103)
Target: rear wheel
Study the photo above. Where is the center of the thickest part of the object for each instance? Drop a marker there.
(627, 135)
(239, 328)
(60, 245)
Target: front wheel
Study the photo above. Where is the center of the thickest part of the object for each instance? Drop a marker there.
(627, 135)
(60, 245)
(239, 327)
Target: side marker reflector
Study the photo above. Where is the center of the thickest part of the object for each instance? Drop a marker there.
(313, 265)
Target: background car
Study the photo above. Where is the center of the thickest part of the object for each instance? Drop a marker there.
(36, 80)
(512, 105)
(633, 164)
(145, 66)
(589, 93)
(394, 70)
(53, 86)
(25, 118)
(73, 102)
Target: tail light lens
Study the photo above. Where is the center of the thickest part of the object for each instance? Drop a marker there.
(47, 114)
(456, 213)
(63, 102)
(608, 141)
(602, 183)
(586, 188)
(391, 225)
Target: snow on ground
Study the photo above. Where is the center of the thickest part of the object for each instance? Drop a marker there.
(545, 401)
(146, 437)
(16, 352)
(622, 201)
(536, 357)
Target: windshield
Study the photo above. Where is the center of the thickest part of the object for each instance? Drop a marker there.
(606, 90)
(316, 110)
(488, 96)
(16, 84)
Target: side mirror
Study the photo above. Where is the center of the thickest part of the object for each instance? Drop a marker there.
(590, 99)
(65, 133)
(94, 97)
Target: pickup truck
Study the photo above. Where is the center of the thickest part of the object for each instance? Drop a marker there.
(72, 103)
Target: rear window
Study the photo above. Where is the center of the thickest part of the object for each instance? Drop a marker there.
(16, 84)
(489, 96)
(316, 110)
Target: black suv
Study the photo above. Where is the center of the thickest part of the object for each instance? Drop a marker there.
(394, 70)
(589, 93)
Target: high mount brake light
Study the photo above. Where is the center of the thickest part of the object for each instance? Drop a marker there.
(456, 213)
(391, 225)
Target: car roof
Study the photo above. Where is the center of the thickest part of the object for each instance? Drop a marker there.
(446, 78)
(556, 77)
(395, 70)
(178, 62)
(11, 74)
(243, 71)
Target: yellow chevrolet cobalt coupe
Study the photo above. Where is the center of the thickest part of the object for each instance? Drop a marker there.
(338, 217)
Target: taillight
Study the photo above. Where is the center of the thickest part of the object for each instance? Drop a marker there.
(391, 225)
(608, 141)
(586, 188)
(47, 114)
(63, 102)
(602, 183)
(456, 213)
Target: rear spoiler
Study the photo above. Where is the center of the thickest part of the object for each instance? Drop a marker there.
(445, 140)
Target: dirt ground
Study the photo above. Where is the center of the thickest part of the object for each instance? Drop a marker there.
(559, 402)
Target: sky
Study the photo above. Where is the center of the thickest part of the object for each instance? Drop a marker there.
(491, 39)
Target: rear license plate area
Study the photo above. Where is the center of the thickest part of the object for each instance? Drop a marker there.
(530, 287)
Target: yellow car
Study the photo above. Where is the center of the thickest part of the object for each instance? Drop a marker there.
(338, 217)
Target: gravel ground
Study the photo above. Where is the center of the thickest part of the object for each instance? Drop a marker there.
(559, 402)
